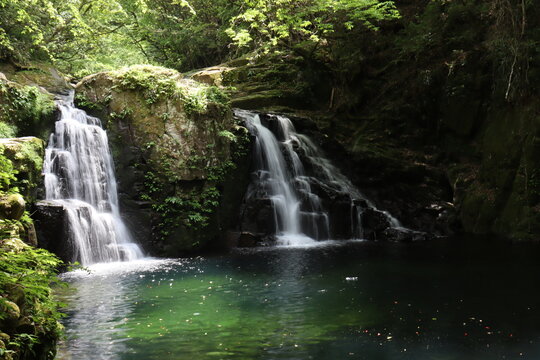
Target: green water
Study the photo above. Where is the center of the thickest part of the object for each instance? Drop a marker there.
(458, 299)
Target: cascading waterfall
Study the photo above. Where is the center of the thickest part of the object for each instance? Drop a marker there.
(79, 175)
(281, 156)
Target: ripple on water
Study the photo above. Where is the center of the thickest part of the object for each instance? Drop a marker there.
(356, 300)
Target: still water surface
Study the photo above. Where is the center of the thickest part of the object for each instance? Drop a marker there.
(455, 299)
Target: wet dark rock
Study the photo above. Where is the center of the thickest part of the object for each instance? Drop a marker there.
(52, 229)
(404, 235)
(258, 216)
(374, 223)
(247, 239)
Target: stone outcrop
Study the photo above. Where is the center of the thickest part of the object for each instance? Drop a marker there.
(52, 230)
(26, 107)
(25, 301)
(179, 155)
(26, 155)
(268, 82)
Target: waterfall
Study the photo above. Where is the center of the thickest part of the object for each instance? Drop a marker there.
(301, 184)
(79, 175)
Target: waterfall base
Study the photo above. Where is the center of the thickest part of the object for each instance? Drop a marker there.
(297, 196)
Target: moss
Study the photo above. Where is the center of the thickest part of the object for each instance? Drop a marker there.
(25, 110)
(175, 134)
(155, 82)
(277, 79)
(41, 75)
(25, 156)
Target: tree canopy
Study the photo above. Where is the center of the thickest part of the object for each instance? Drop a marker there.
(82, 36)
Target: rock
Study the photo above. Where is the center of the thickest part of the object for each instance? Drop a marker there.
(274, 80)
(179, 155)
(26, 155)
(404, 235)
(43, 76)
(247, 239)
(52, 229)
(12, 207)
(211, 76)
(258, 216)
(374, 223)
(231, 240)
(13, 244)
(11, 310)
(31, 236)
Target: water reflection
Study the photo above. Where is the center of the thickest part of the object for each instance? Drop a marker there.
(100, 303)
(357, 300)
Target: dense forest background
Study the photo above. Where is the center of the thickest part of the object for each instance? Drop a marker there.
(86, 36)
(433, 93)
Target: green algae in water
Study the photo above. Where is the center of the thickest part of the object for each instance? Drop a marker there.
(358, 300)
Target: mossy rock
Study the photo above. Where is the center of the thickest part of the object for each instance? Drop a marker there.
(26, 154)
(265, 81)
(173, 141)
(10, 309)
(12, 207)
(211, 76)
(43, 76)
(25, 110)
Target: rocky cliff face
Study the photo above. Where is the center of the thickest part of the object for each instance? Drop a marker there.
(28, 319)
(440, 130)
(179, 155)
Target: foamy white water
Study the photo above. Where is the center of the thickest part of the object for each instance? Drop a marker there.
(79, 175)
(299, 215)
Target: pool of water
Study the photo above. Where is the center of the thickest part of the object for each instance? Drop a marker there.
(454, 299)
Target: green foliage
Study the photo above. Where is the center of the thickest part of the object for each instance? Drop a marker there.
(76, 35)
(182, 34)
(152, 187)
(7, 173)
(22, 107)
(155, 82)
(7, 130)
(87, 36)
(227, 135)
(32, 271)
(196, 99)
(83, 102)
(192, 210)
(267, 23)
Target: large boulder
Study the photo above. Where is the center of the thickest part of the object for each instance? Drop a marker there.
(52, 229)
(180, 156)
(271, 81)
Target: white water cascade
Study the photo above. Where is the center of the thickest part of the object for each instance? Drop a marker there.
(79, 175)
(281, 157)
